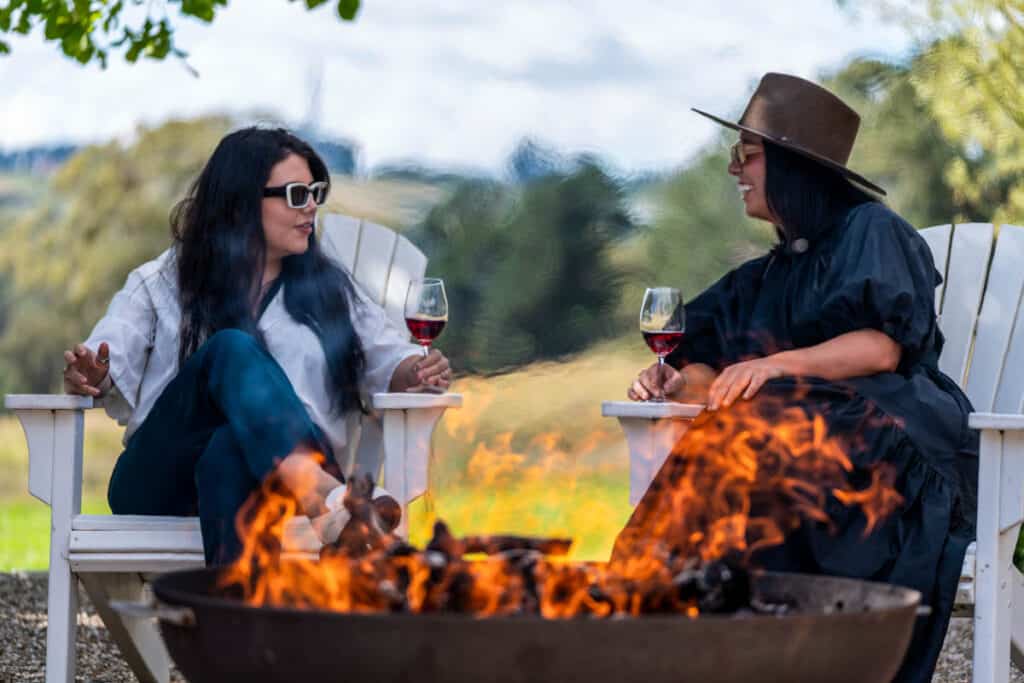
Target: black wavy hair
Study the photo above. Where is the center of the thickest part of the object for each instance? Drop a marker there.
(221, 251)
(809, 198)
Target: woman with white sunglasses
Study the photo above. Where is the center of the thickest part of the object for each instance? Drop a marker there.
(236, 352)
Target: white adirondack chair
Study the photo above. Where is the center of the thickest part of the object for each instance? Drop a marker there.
(981, 313)
(112, 554)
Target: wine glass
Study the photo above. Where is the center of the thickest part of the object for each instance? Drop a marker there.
(662, 322)
(426, 310)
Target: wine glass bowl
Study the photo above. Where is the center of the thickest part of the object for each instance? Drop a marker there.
(426, 310)
(662, 322)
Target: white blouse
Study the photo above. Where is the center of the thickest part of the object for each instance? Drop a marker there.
(142, 327)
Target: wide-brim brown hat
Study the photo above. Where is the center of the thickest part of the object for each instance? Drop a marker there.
(804, 117)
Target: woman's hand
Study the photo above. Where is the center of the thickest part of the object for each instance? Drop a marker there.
(686, 385)
(657, 381)
(743, 379)
(84, 370)
(423, 373)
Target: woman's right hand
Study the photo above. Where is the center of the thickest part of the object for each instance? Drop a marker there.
(84, 370)
(657, 381)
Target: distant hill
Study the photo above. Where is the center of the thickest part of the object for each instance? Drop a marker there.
(40, 159)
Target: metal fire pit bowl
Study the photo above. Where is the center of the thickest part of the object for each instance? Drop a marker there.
(845, 630)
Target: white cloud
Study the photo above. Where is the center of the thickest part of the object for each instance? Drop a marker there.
(457, 85)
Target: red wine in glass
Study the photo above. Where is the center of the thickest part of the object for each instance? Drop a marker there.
(662, 322)
(663, 342)
(426, 310)
(425, 330)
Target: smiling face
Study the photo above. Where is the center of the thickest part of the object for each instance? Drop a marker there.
(750, 174)
(287, 230)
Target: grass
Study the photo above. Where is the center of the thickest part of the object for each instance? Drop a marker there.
(529, 453)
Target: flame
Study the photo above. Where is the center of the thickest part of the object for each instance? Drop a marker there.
(739, 480)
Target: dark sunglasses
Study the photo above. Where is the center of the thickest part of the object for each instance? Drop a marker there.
(741, 151)
(297, 194)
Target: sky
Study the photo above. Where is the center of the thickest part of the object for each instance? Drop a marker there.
(454, 84)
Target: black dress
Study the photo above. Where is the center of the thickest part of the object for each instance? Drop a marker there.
(874, 271)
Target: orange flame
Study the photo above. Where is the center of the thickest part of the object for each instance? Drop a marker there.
(741, 478)
(738, 480)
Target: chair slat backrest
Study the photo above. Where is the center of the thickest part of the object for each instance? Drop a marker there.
(969, 252)
(995, 338)
(981, 312)
(938, 241)
(380, 260)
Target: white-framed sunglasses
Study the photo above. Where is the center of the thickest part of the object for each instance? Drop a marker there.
(297, 194)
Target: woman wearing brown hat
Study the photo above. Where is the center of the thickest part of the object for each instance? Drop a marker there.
(838, 319)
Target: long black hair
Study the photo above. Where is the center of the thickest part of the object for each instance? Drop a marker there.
(221, 251)
(809, 198)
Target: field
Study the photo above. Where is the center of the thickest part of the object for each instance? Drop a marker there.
(528, 453)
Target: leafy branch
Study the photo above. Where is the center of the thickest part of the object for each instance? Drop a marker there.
(88, 30)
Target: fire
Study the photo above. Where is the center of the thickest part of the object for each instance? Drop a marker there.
(739, 480)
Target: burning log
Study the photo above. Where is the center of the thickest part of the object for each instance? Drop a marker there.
(444, 542)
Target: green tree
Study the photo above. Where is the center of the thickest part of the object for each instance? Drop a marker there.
(106, 212)
(528, 266)
(901, 144)
(970, 75)
(93, 29)
(556, 289)
(465, 238)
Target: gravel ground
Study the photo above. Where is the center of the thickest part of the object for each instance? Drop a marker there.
(23, 638)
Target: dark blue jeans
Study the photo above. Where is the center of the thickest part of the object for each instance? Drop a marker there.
(217, 429)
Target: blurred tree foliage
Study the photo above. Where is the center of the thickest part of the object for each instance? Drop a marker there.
(104, 212)
(901, 145)
(528, 266)
(699, 229)
(92, 29)
(969, 73)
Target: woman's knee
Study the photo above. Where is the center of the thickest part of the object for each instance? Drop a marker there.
(229, 341)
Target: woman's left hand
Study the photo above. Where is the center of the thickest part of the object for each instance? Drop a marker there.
(742, 379)
(423, 373)
(433, 370)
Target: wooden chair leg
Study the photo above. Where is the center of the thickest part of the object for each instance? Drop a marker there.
(66, 502)
(1017, 620)
(61, 622)
(138, 639)
(993, 596)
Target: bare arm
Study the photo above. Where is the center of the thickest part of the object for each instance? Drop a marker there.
(855, 354)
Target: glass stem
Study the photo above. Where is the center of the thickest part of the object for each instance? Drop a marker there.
(661, 373)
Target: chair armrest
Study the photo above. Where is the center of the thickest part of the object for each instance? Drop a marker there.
(47, 402)
(406, 401)
(653, 410)
(408, 424)
(1004, 422)
(54, 426)
(652, 428)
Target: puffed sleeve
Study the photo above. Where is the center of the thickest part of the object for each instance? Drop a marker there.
(882, 277)
(385, 345)
(128, 328)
